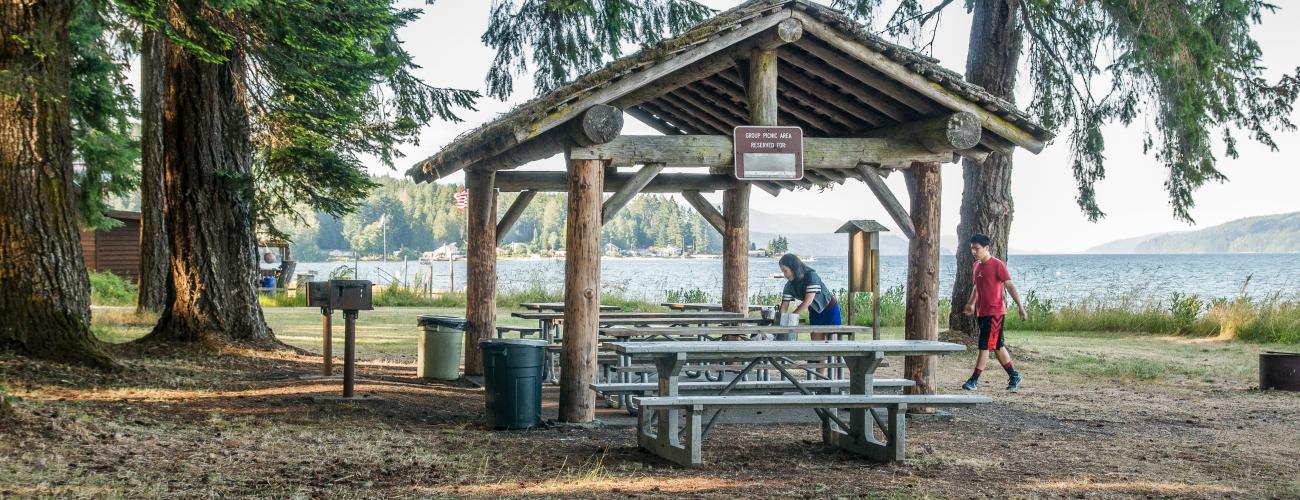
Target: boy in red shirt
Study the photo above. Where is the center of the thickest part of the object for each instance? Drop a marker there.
(989, 307)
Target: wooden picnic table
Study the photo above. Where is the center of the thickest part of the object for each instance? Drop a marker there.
(828, 369)
(548, 323)
(695, 306)
(559, 306)
(661, 416)
(837, 332)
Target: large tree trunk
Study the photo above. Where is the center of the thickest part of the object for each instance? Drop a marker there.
(986, 205)
(44, 292)
(155, 273)
(207, 205)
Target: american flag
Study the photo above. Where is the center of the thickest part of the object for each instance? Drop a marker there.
(462, 199)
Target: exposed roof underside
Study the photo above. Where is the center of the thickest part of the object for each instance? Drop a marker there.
(826, 90)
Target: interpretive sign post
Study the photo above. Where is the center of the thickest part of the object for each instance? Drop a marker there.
(768, 153)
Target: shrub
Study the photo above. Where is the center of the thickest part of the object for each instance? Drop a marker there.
(689, 296)
(282, 300)
(108, 289)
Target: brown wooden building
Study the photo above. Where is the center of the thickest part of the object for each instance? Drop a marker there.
(115, 250)
(866, 108)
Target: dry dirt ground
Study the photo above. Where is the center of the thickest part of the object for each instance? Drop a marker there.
(1094, 421)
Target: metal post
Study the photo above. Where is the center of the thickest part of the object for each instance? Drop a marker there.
(349, 352)
(451, 273)
(327, 332)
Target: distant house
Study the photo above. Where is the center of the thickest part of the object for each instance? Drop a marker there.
(115, 250)
(665, 251)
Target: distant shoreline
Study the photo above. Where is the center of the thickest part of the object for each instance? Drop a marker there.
(1027, 254)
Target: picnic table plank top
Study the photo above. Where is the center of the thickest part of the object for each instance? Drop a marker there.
(705, 306)
(633, 315)
(618, 329)
(766, 348)
(539, 306)
(746, 330)
(669, 322)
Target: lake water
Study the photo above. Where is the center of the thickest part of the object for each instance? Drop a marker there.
(1062, 278)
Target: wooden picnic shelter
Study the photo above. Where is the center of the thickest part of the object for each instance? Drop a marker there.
(866, 108)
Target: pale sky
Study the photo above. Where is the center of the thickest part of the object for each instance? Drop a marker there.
(445, 42)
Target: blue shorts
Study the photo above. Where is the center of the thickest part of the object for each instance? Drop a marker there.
(828, 316)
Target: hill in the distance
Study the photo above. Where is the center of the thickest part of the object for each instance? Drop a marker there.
(811, 235)
(1263, 234)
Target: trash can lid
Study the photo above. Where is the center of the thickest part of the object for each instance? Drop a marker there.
(437, 320)
(523, 342)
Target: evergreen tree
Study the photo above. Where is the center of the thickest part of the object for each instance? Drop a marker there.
(567, 38)
(1191, 65)
(272, 101)
(45, 294)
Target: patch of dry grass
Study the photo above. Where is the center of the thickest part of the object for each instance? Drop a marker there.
(184, 422)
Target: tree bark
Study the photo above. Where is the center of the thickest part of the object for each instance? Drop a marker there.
(44, 291)
(155, 273)
(921, 318)
(480, 267)
(986, 205)
(207, 205)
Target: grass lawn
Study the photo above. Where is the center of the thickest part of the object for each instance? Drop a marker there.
(1100, 416)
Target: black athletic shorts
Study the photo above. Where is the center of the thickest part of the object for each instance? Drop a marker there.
(991, 336)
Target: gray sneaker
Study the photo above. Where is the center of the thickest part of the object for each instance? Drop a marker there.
(1013, 384)
(970, 384)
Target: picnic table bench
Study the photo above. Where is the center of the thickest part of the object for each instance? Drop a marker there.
(523, 331)
(558, 306)
(672, 425)
(692, 306)
(548, 325)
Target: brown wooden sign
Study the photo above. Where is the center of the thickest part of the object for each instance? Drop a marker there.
(768, 153)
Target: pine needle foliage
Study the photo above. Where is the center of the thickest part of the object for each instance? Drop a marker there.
(102, 108)
(328, 83)
(565, 39)
(1191, 66)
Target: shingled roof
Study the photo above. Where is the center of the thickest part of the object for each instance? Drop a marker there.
(838, 80)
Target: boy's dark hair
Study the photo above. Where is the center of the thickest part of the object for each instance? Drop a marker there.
(981, 240)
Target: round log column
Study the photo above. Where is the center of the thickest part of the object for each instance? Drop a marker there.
(480, 267)
(921, 319)
(735, 250)
(581, 291)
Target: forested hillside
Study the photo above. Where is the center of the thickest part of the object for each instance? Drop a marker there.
(1264, 234)
(414, 218)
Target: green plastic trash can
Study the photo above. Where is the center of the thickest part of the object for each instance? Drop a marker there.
(512, 382)
(440, 347)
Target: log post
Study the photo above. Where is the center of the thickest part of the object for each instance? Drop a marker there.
(480, 267)
(581, 291)
(761, 94)
(921, 319)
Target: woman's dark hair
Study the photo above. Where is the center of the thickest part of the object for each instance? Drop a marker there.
(796, 266)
